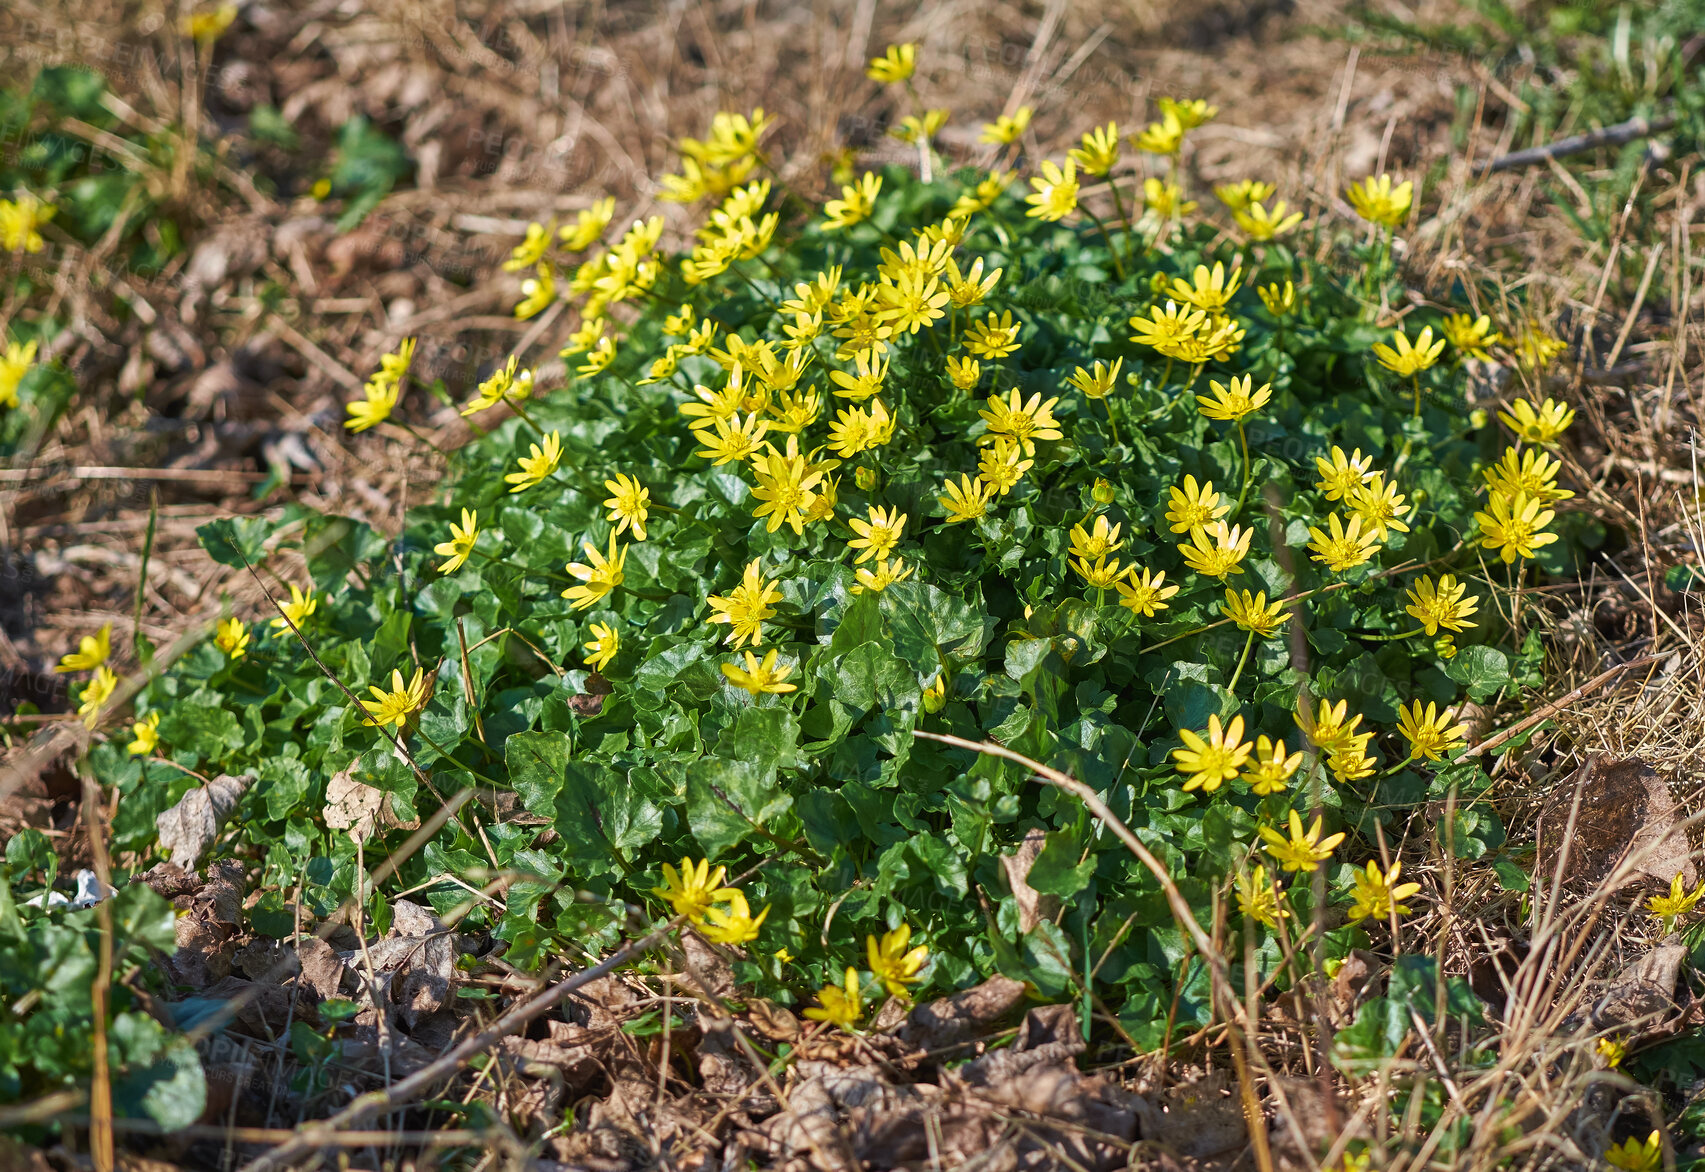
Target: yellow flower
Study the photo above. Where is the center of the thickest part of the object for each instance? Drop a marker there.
(147, 735)
(1208, 762)
(1209, 290)
(207, 26)
(1144, 591)
(1299, 852)
(892, 963)
(1100, 150)
(1472, 335)
(1004, 130)
(532, 248)
(588, 226)
(1279, 299)
(1536, 346)
(1270, 768)
(1251, 612)
(1344, 548)
(1002, 465)
(1341, 475)
(1378, 893)
(461, 543)
(1612, 1050)
(857, 202)
(1238, 196)
(1167, 324)
(993, 337)
(297, 611)
(603, 646)
(1634, 1156)
(1541, 425)
(597, 579)
(1193, 507)
(963, 373)
(1102, 541)
(232, 637)
(1442, 605)
(96, 693)
(1331, 728)
(1056, 192)
(15, 363)
(1379, 507)
(882, 575)
(398, 704)
(1096, 383)
(1429, 732)
(1103, 575)
(1258, 898)
(914, 129)
(1163, 137)
(1406, 359)
(734, 925)
(731, 439)
(378, 400)
(970, 287)
(758, 678)
(537, 464)
(693, 889)
(841, 1005)
(878, 536)
(1229, 404)
(21, 221)
(965, 501)
(1532, 472)
(896, 64)
(537, 292)
(1025, 421)
(1190, 112)
(1216, 550)
(502, 383)
(1378, 202)
(746, 606)
(1350, 764)
(1513, 526)
(785, 486)
(1261, 224)
(1668, 908)
(92, 651)
(982, 197)
(1166, 199)
(935, 696)
(627, 504)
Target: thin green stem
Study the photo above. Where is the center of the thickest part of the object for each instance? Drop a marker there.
(1415, 381)
(1118, 265)
(1391, 638)
(1241, 661)
(1119, 206)
(1243, 442)
(1111, 422)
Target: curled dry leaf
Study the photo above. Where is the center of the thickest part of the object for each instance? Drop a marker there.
(360, 808)
(190, 827)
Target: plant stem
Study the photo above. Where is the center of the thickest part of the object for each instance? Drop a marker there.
(1241, 661)
(1111, 422)
(1119, 206)
(1118, 265)
(1415, 380)
(1243, 442)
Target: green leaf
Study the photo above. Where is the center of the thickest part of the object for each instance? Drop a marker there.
(1484, 671)
(235, 541)
(537, 761)
(727, 800)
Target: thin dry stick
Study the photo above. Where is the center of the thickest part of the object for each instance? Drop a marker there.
(1557, 705)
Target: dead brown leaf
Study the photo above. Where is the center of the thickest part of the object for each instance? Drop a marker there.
(191, 826)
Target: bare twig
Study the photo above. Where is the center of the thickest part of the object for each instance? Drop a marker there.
(1576, 143)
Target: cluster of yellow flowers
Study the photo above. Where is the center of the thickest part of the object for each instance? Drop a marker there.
(379, 397)
(91, 655)
(722, 915)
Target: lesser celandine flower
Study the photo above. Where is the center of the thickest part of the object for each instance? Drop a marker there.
(895, 65)
(1207, 762)
(1474, 336)
(1100, 150)
(1379, 507)
(1330, 727)
(232, 637)
(1143, 591)
(1279, 299)
(759, 677)
(963, 373)
(92, 651)
(20, 223)
(1102, 575)
(1098, 542)
(1633, 1156)
(589, 224)
(1026, 421)
(397, 704)
(892, 963)
(1514, 526)
(1341, 475)
(883, 574)
(1344, 548)
(745, 608)
(1192, 506)
(857, 202)
(1209, 290)
(915, 130)
(734, 925)
(1096, 382)
(1190, 112)
(540, 462)
(461, 543)
(537, 292)
(1163, 137)
(1238, 196)
(995, 336)
(876, 537)
(1531, 471)
(1001, 465)
(1261, 223)
(598, 579)
(935, 696)
(602, 647)
(1378, 202)
(841, 1005)
(1166, 324)
(1378, 894)
(1166, 199)
(1251, 612)
(1231, 403)
(1258, 897)
(1270, 768)
(1666, 909)
(732, 439)
(1612, 1050)
(965, 500)
(1056, 191)
(1429, 732)
(1536, 346)
(378, 400)
(1005, 129)
(628, 503)
(1408, 359)
(14, 364)
(1300, 851)
(1441, 605)
(96, 693)
(1216, 550)
(1537, 425)
(145, 734)
(693, 889)
(296, 611)
(786, 484)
